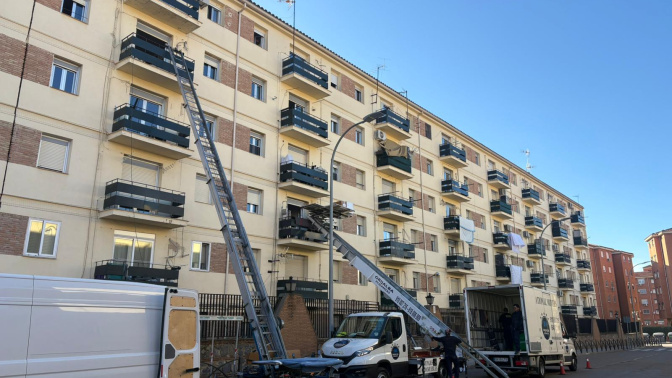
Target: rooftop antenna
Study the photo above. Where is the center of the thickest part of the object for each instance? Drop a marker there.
(528, 166)
(375, 95)
(405, 93)
(292, 3)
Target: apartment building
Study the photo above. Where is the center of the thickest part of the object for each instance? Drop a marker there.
(648, 298)
(660, 245)
(104, 180)
(615, 283)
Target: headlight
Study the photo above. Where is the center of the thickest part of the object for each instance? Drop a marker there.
(363, 352)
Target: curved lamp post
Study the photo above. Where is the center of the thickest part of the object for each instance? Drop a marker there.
(541, 235)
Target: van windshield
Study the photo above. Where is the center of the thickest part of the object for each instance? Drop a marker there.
(366, 327)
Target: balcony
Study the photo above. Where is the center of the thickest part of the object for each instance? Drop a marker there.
(590, 311)
(563, 259)
(500, 209)
(580, 242)
(122, 270)
(577, 219)
(498, 179)
(535, 251)
(149, 62)
(568, 310)
(393, 124)
(452, 155)
(300, 234)
(533, 224)
(451, 226)
(537, 279)
(459, 265)
(453, 190)
(503, 273)
(565, 283)
(150, 132)
(387, 303)
(587, 288)
(303, 127)
(397, 253)
(395, 208)
(299, 74)
(145, 204)
(556, 210)
(501, 241)
(180, 14)
(304, 287)
(559, 233)
(398, 167)
(310, 181)
(456, 301)
(531, 197)
(583, 265)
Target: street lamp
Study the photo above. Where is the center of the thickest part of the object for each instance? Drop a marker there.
(430, 299)
(543, 270)
(290, 286)
(368, 118)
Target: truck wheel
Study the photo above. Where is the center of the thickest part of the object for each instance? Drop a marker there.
(541, 369)
(382, 373)
(442, 372)
(574, 366)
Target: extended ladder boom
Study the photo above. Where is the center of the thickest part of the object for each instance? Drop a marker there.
(253, 292)
(401, 298)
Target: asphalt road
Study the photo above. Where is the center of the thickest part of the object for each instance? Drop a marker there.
(647, 362)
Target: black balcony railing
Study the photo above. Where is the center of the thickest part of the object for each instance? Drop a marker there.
(304, 287)
(452, 186)
(538, 278)
(403, 163)
(583, 264)
(559, 232)
(304, 174)
(299, 228)
(143, 199)
(531, 193)
(393, 248)
(500, 238)
(556, 208)
(503, 271)
(533, 221)
(451, 223)
(296, 64)
(577, 218)
(590, 311)
(151, 125)
(496, 175)
(563, 258)
(190, 7)
(122, 270)
(565, 283)
(298, 118)
(142, 49)
(587, 287)
(568, 310)
(456, 301)
(536, 249)
(448, 149)
(459, 262)
(394, 119)
(394, 203)
(579, 240)
(500, 205)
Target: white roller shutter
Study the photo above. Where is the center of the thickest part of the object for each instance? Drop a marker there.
(299, 155)
(295, 266)
(141, 172)
(53, 154)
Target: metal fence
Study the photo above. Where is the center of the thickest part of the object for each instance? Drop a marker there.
(319, 316)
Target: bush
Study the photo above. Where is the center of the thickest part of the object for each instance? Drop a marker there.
(651, 330)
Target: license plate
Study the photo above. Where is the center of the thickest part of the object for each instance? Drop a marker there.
(501, 359)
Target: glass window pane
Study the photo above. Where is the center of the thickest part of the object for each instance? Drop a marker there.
(142, 256)
(196, 255)
(69, 82)
(56, 80)
(49, 242)
(205, 256)
(35, 237)
(122, 249)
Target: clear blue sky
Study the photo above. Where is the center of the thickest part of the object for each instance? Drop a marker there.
(585, 85)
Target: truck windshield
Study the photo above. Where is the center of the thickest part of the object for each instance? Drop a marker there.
(366, 327)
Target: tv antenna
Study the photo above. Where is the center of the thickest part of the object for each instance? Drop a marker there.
(374, 97)
(528, 166)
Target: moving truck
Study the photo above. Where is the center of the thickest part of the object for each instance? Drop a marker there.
(545, 341)
(66, 327)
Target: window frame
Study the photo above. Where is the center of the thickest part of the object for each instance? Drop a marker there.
(191, 258)
(65, 66)
(27, 237)
(430, 167)
(361, 228)
(336, 171)
(261, 84)
(213, 69)
(362, 174)
(359, 135)
(219, 14)
(66, 159)
(359, 94)
(135, 237)
(261, 200)
(260, 137)
(335, 121)
(263, 35)
(85, 12)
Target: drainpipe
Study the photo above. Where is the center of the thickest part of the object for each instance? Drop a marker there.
(422, 201)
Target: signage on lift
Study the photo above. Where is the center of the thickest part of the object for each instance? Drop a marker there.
(546, 301)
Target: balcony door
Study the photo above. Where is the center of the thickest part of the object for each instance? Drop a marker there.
(389, 231)
(296, 266)
(134, 249)
(294, 208)
(388, 187)
(154, 37)
(447, 174)
(393, 274)
(146, 103)
(298, 103)
(140, 171)
(298, 155)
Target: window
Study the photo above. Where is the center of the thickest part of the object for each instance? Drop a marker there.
(337, 271)
(477, 158)
(411, 195)
(609, 269)
(393, 274)
(75, 9)
(334, 80)
(430, 168)
(359, 135)
(436, 283)
(640, 281)
(480, 189)
(447, 174)
(256, 144)
(140, 171)
(254, 201)
(258, 87)
(211, 67)
(428, 130)
(133, 248)
(646, 312)
(336, 171)
(202, 192)
(260, 38)
(214, 14)
(361, 279)
(415, 237)
(361, 225)
(64, 76)
(431, 204)
(359, 96)
(41, 238)
(335, 124)
(53, 154)
(645, 302)
(359, 179)
(433, 243)
(491, 165)
(641, 291)
(416, 280)
(389, 231)
(200, 256)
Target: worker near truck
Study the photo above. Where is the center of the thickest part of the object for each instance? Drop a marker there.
(505, 322)
(517, 327)
(450, 344)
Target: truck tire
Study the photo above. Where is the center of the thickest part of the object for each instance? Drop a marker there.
(442, 372)
(541, 369)
(382, 373)
(575, 365)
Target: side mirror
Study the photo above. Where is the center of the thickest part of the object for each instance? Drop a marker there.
(388, 338)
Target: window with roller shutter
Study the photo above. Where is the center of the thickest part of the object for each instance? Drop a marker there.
(296, 266)
(140, 171)
(53, 154)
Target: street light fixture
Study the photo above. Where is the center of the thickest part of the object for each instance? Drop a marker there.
(368, 118)
(290, 286)
(430, 299)
(543, 270)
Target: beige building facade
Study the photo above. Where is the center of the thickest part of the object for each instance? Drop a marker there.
(104, 179)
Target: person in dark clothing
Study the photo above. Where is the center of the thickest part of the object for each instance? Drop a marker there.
(517, 327)
(450, 344)
(505, 322)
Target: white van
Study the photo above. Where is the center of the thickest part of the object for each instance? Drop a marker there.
(66, 327)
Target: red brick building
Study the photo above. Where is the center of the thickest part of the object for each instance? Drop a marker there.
(648, 299)
(626, 287)
(660, 250)
(604, 277)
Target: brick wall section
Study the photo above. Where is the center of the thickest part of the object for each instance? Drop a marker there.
(298, 332)
(473, 186)
(542, 216)
(348, 274)
(243, 137)
(230, 20)
(422, 129)
(347, 86)
(245, 82)
(12, 233)
(475, 283)
(479, 219)
(348, 175)
(227, 77)
(225, 134)
(240, 196)
(478, 253)
(518, 261)
(38, 61)
(247, 29)
(349, 224)
(345, 124)
(25, 144)
(471, 154)
(53, 4)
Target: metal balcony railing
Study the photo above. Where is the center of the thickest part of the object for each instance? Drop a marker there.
(394, 203)
(298, 65)
(151, 125)
(299, 228)
(451, 223)
(583, 264)
(452, 186)
(459, 262)
(456, 301)
(394, 119)
(503, 271)
(537, 277)
(565, 283)
(304, 287)
(533, 221)
(587, 287)
(563, 258)
(531, 193)
(536, 249)
(448, 149)
(556, 208)
(577, 218)
(122, 270)
(590, 311)
(139, 48)
(298, 118)
(579, 240)
(558, 231)
(495, 175)
(568, 309)
(500, 205)
(403, 163)
(190, 7)
(305, 174)
(393, 248)
(500, 238)
(144, 199)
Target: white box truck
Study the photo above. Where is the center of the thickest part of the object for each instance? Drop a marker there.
(65, 327)
(545, 341)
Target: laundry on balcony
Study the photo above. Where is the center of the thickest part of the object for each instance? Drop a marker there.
(467, 230)
(516, 242)
(516, 274)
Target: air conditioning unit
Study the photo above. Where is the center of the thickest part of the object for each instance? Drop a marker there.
(530, 264)
(380, 135)
(526, 234)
